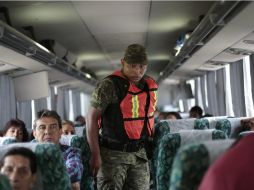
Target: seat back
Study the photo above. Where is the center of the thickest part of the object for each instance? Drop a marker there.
(4, 183)
(81, 143)
(168, 147)
(207, 122)
(192, 161)
(52, 173)
(160, 129)
(180, 124)
(7, 140)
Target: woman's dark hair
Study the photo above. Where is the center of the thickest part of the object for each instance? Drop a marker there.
(18, 124)
(25, 152)
(176, 114)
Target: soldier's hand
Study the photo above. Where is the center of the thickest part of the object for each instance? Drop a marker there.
(95, 163)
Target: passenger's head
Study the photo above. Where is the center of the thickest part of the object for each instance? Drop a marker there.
(16, 128)
(173, 115)
(81, 120)
(68, 127)
(47, 127)
(134, 62)
(196, 112)
(19, 165)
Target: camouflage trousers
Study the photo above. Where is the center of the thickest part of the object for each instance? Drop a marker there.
(123, 171)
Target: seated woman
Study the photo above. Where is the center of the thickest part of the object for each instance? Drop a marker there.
(16, 128)
(68, 127)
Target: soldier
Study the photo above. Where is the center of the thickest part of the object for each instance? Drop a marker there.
(123, 106)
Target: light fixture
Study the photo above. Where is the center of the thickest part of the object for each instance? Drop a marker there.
(88, 75)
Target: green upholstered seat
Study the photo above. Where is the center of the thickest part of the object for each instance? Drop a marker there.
(160, 130)
(192, 161)
(7, 140)
(202, 123)
(4, 183)
(230, 126)
(52, 173)
(168, 147)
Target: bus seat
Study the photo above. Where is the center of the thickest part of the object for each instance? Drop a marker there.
(207, 122)
(81, 143)
(52, 173)
(192, 161)
(229, 125)
(202, 123)
(169, 145)
(179, 124)
(4, 183)
(160, 129)
(7, 140)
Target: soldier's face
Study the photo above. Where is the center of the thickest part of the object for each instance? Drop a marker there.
(134, 72)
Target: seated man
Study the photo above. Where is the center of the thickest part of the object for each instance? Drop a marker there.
(48, 128)
(19, 165)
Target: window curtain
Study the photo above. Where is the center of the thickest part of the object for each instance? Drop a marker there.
(85, 104)
(53, 98)
(24, 112)
(40, 104)
(7, 100)
(204, 93)
(212, 94)
(247, 87)
(220, 75)
(252, 74)
(76, 101)
(60, 102)
(63, 104)
(237, 88)
(198, 94)
(228, 94)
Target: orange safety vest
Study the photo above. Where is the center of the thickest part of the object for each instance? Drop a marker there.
(128, 118)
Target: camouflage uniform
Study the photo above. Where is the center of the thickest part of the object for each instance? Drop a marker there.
(119, 170)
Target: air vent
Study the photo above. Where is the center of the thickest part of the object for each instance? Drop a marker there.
(231, 55)
(54, 82)
(16, 72)
(212, 66)
(237, 51)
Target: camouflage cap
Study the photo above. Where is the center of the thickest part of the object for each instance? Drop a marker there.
(135, 54)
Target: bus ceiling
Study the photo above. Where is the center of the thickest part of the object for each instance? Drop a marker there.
(85, 40)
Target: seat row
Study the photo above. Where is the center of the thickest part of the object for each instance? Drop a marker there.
(183, 152)
(52, 172)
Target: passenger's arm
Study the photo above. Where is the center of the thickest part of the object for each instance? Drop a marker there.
(93, 139)
(74, 164)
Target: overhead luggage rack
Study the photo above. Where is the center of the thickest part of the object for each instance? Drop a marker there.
(20, 43)
(214, 20)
